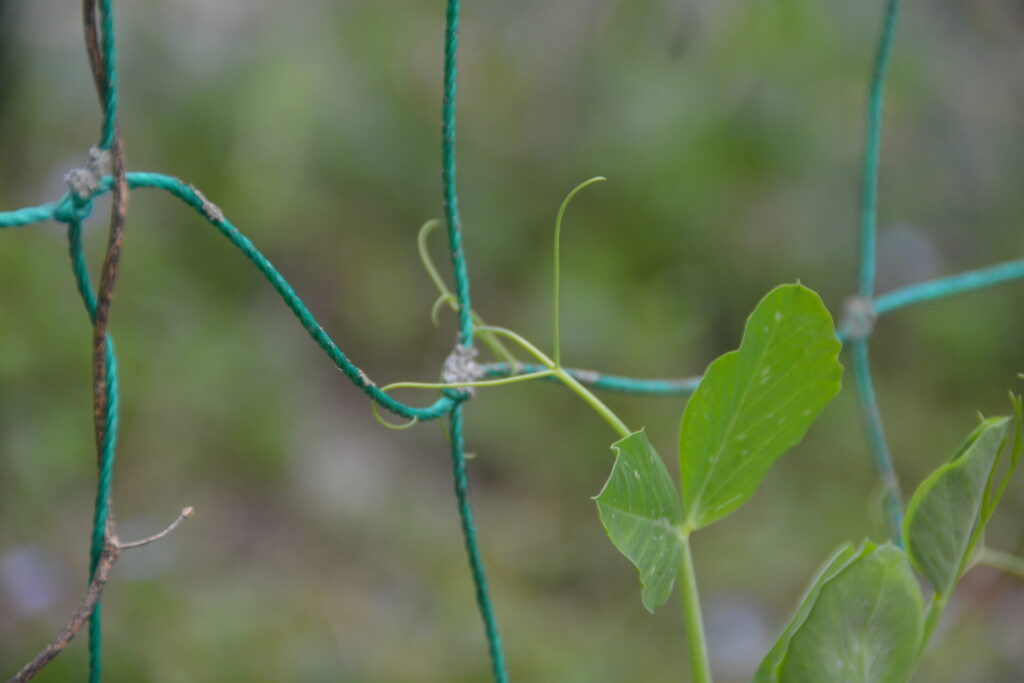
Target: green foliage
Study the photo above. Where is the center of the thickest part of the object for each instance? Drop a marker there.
(757, 402)
(944, 518)
(861, 622)
(862, 619)
(641, 512)
(769, 669)
(752, 405)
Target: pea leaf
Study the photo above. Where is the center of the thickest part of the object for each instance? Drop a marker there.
(865, 625)
(943, 516)
(757, 402)
(641, 512)
(768, 672)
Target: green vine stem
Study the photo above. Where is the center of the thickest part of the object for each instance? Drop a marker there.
(469, 385)
(696, 640)
(551, 368)
(568, 380)
(996, 559)
(700, 670)
(931, 619)
(445, 385)
(552, 371)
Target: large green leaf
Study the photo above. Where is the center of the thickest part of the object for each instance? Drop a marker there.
(947, 507)
(768, 672)
(865, 625)
(641, 511)
(755, 403)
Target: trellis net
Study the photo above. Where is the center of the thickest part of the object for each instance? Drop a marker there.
(107, 173)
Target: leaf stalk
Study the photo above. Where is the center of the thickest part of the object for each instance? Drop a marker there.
(700, 670)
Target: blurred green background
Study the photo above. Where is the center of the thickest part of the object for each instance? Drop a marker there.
(326, 548)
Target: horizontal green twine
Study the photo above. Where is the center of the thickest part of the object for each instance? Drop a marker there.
(884, 304)
(599, 380)
(212, 214)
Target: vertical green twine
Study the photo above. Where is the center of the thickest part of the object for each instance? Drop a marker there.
(869, 188)
(110, 70)
(869, 223)
(79, 268)
(876, 438)
(108, 446)
(476, 564)
(106, 474)
(451, 199)
(451, 208)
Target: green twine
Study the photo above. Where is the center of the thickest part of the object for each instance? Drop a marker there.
(451, 208)
(599, 380)
(949, 286)
(869, 189)
(74, 210)
(451, 198)
(190, 196)
(79, 268)
(36, 214)
(869, 220)
(71, 208)
(876, 437)
(110, 71)
(108, 447)
(476, 564)
(102, 506)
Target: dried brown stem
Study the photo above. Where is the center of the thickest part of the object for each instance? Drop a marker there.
(111, 552)
(78, 619)
(105, 295)
(92, 48)
(105, 292)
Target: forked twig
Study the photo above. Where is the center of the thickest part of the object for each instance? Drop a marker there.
(185, 514)
(78, 619)
(111, 552)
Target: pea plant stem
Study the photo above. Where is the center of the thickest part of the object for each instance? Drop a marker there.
(568, 380)
(597, 404)
(931, 620)
(700, 670)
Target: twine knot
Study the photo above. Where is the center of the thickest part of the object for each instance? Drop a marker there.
(858, 318)
(73, 208)
(85, 181)
(460, 367)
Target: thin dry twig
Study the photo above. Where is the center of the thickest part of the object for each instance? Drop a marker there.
(105, 291)
(111, 553)
(115, 241)
(92, 48)
(185, 514)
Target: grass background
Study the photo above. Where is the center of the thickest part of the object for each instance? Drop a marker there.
(325, 548)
